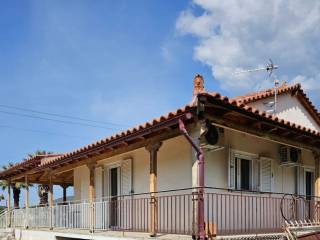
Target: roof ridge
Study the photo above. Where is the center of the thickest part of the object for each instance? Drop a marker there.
(284, 88)
(171, 115)
(254, 96)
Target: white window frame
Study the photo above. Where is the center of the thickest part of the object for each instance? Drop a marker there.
(110, 166)
(312, 170)
(236, 154)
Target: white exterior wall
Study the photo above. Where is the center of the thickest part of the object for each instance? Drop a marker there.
(283, 177)
(289, 108)
(81, 183)
(98, 178)
(174, 169)
(175, 163)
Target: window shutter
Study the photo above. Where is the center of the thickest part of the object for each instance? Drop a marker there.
(126, 177)
(265, 175)
(232, 173)
(106, 182)
(255, 173)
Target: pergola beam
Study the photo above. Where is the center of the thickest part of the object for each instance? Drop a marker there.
(259, 133)
(213, 105)
(109, 154)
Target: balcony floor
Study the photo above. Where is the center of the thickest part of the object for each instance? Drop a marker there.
(47, 234)
(64, 234)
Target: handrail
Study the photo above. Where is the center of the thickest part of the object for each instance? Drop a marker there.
(3, 211)
(233, 212)
(193, 189)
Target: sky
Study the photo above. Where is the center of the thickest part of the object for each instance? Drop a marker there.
(121, 63)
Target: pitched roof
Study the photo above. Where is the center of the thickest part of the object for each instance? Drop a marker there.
(174, 116)
(30, 163)
(294, 89)
(131, 132)
(255, 96)
(171, 119)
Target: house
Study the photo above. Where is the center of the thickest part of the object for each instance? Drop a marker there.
(217, 166)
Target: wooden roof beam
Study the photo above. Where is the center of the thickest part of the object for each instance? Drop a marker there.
(300, 136)
(261, 134)
(131, 147)
(272, 130)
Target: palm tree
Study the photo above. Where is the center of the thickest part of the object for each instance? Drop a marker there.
(39, 152)
(16, 190)
(4, 183)
(43, 194)
(3, 186)
(42, 188)
(15, 186)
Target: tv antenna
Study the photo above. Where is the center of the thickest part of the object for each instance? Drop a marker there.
(269, 67)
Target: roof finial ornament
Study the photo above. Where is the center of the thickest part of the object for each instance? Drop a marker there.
(198, 84)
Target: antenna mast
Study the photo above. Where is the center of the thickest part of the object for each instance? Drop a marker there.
(270, 67)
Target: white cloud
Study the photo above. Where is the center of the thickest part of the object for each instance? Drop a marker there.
(234, 35)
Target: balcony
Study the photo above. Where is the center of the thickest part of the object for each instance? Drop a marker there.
(176, 212)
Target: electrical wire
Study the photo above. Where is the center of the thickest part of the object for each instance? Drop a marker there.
(60, 115)
(58, 120)
(40, 131)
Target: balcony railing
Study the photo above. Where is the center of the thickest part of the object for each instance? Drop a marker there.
(226, 213)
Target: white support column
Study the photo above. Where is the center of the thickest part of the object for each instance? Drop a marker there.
(92, 194)
(51, 201)
(27, 201)
(9, 204)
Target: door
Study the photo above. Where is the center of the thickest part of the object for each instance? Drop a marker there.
(114, 191)
(309, 193)
(309, 184)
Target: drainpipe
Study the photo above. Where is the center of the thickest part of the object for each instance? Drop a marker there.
(200, 156)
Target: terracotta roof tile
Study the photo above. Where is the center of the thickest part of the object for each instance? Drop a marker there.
(237, 103)
(255, 96)
(284, 88)
(33, 161)
(248, 109)
(124, 133)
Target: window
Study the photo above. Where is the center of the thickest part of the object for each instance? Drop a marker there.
(309, 184)
(243, 171)
(305, 181)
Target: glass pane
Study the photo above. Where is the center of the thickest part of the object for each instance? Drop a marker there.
(245, 174)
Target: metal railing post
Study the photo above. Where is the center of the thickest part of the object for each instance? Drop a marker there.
(92, 217)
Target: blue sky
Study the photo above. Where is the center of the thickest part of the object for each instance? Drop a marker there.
(125, 62)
